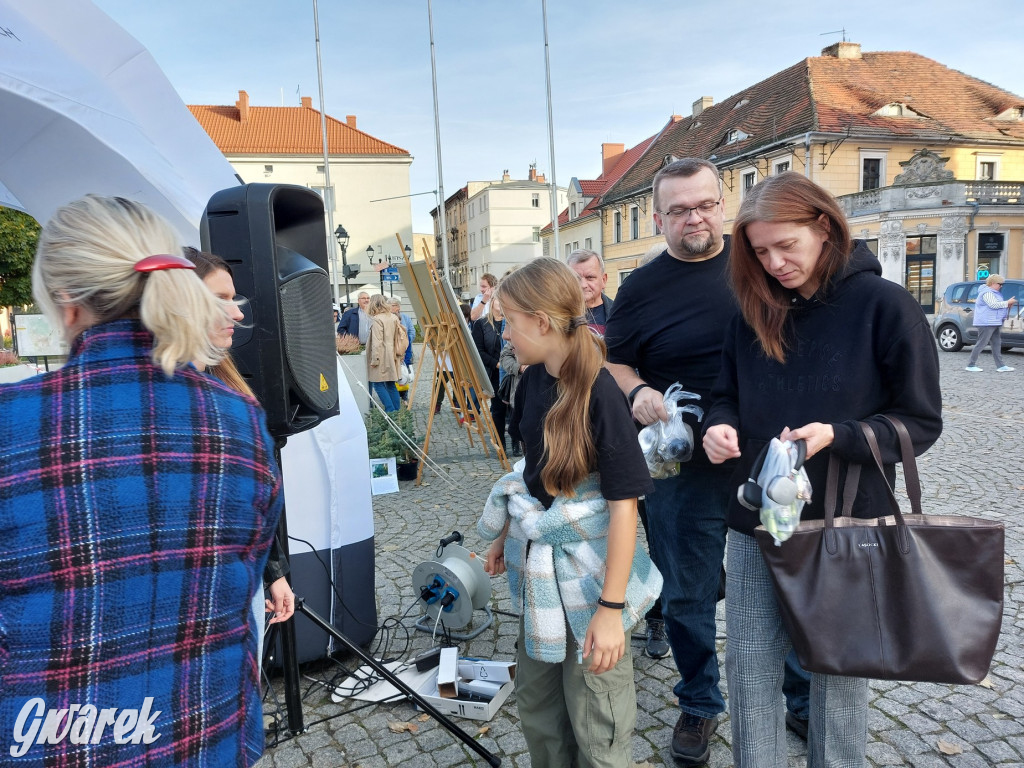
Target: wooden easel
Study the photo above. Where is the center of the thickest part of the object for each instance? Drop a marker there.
(454, 372)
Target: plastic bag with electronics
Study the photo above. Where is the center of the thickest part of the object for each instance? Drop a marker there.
(668, 443)
(781, 488)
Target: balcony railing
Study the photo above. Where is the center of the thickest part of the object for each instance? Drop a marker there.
(932, 195)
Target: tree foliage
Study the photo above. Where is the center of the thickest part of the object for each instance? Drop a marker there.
(19, 234)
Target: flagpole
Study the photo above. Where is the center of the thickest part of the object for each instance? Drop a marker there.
(441, 219)
(328, 191)
(551, 131)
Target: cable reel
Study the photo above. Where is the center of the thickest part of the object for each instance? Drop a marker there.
(452, 587)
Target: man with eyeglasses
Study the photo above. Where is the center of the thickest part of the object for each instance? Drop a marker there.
(668, 324)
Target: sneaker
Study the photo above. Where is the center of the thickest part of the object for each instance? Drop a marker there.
(657, 643)
(797, 724)
(1005, 368)
(517, 448)
(691, 738)
(973, 369)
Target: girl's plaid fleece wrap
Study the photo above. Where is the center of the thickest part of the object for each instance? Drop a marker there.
(557, 557)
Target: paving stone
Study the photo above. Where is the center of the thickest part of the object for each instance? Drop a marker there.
(998, 751)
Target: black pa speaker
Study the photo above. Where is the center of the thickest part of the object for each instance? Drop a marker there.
(273, 237)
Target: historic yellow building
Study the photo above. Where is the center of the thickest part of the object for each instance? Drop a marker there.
(928, 162)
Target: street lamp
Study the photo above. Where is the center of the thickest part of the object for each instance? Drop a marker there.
(408, 253)
(342, 236)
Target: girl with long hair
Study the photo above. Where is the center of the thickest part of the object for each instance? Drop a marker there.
(564, 524)
(823, 342)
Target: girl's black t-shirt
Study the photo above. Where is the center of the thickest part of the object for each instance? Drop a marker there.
(620, 463)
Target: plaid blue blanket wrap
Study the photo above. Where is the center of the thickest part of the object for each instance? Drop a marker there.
(556, 559)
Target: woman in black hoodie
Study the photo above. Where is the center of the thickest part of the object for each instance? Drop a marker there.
(487, 337)
(823, 342)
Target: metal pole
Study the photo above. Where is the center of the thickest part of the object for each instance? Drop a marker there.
(442, 221)
(328, 192)
(344, 271)
(551, 131)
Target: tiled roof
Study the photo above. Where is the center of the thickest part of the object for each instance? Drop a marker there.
(594, 188)
(285, 131)
(826, 94)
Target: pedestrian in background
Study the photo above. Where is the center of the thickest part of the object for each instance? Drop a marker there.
(990, 311)
(386, 344)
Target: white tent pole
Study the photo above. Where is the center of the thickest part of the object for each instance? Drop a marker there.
(332, 245)
(441, 219)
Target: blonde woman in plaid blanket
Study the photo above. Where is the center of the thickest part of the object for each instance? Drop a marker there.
(564, 524)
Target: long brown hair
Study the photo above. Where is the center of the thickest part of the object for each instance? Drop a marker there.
(764, 302)
(546, 286)
(226, 370)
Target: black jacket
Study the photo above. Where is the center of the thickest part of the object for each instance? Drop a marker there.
(487, 338)
(859, 348)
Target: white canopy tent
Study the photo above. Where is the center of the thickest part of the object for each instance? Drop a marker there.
(85, 108)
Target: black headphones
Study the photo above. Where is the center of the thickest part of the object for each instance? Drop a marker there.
(780, 489)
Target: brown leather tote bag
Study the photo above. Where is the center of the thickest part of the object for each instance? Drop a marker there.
(903, 597)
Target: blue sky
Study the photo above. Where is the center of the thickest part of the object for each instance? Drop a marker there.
(618, 70)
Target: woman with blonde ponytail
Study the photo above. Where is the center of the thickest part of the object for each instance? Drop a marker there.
(564, 524)
(138, 501)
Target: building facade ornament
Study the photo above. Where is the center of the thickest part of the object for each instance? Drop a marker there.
(925, 166)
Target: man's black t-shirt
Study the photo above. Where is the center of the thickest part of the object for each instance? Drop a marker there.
(669, 321)
(620, 463)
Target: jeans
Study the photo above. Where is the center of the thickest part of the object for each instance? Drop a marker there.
(388, 394)
(989, 334)
(796, 687)
(755, 649)
(687, 540)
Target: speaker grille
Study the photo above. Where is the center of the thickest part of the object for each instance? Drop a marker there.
(309, 338)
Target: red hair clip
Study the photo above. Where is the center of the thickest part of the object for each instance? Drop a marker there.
(163, 261)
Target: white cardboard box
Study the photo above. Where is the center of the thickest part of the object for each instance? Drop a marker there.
(474, 710)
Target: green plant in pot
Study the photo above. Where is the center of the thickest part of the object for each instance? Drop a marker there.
(384, 442)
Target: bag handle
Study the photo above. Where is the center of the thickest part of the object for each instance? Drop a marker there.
(831, 493)
(910, 474)
(869, 434)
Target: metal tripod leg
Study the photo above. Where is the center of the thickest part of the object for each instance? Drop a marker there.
(380, 669)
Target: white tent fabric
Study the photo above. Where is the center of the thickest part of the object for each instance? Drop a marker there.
(85, 108)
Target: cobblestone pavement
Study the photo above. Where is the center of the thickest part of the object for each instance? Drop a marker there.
(975, 468)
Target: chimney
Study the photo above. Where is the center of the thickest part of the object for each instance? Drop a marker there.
(505, 176)
(842, 50)
(533, 173)
(350, 121)
(243, 107)
(610, 155)
(675, 118)
(540, 178)
(701, 104)
(307, 102)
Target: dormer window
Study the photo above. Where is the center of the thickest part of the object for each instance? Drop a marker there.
(741, 103)
(897, 109)
(1013, 113)
(734, 135)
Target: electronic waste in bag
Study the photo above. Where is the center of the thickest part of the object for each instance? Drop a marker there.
(471, 688)
(667, 443)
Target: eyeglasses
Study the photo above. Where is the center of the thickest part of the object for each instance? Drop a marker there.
(703, 210)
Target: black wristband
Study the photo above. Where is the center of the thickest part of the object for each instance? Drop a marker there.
(637, 388)
(609, 604)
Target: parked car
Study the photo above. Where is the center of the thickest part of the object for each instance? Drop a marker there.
(953, 321)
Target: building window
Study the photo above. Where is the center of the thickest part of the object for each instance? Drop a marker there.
(483, 204)
(485, 236)
(268, 169)
(654, 226)
(872, 170)
(328, 198)
(749, 179)
(568, 250)
(987, 170)
(545, 248)
(634, 223)
(872, 245)
(617, 232)
(472, 210)
(780, 167)
(575, 245)
(572, 210)
(623, 274)
(472, 241)
(535, 202)
(536, 234)
(588, 244)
